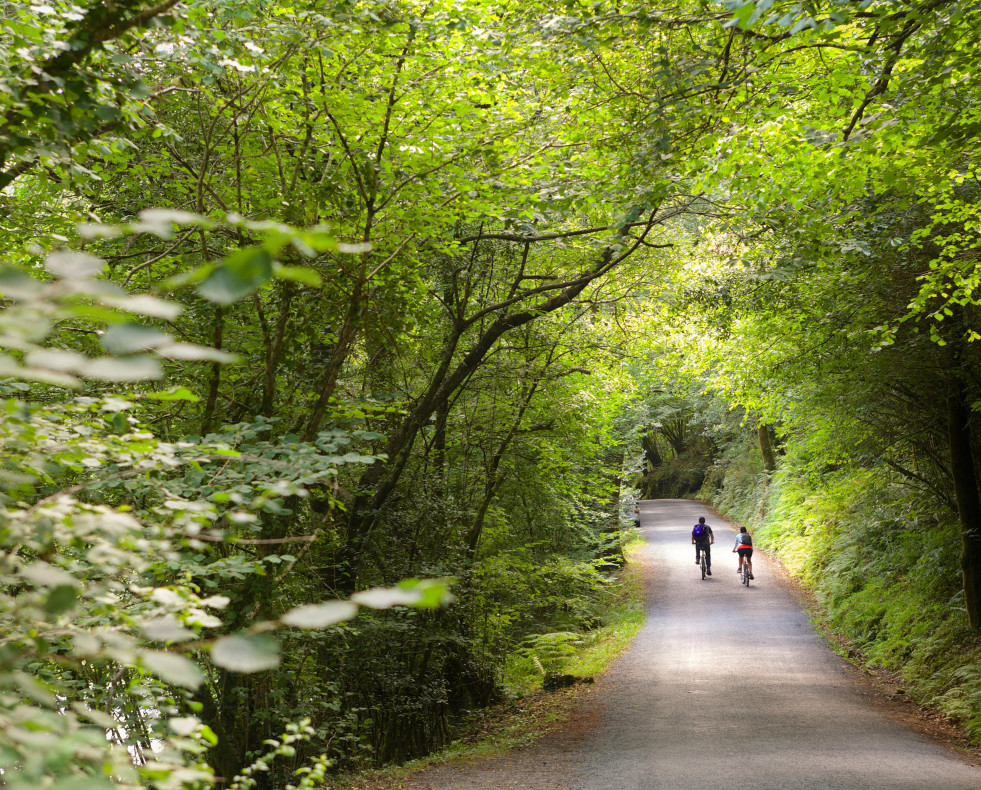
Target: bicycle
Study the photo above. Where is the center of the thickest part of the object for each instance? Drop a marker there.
(703, 564)
(744, 573)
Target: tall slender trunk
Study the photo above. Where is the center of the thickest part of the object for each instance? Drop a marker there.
(967, 495)
(494, 480)
(345, 339)
(215, 381)
(766, 448)
(439, 449)
(274, 352)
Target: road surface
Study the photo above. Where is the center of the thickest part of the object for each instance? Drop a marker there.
(730, 687)
(725, 687)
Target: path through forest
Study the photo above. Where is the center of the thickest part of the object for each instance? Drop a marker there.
(725, 687)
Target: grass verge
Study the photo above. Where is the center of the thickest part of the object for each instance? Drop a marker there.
(624, 618)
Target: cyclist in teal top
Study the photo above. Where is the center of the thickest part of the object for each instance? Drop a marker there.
(744, 547)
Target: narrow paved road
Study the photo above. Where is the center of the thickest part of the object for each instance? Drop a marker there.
(729, 687)
(725, 687)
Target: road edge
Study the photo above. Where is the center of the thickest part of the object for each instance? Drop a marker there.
(885, 688)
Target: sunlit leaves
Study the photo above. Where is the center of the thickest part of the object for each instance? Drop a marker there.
(166, 629)
(299, 274)
(175, 394)
(44, 574)
(136, 368)
(427, 594)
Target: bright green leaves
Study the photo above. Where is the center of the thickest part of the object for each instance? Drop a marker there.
(304, 275)
(61, 599)
(36, 309)
(795, 17)
(74, 265)
(175, 394)
(78, 294)
(246, 269)
(425, 594)
(65, 83)
(745, 14)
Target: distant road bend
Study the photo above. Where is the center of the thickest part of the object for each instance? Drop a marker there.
(725, 687)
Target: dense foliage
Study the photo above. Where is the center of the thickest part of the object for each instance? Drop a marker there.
(305, 300)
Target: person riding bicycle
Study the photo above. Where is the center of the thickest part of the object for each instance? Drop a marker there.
(703, 538)
(744, 547)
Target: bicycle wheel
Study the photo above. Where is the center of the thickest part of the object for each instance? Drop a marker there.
(703, 565)
(745, 575)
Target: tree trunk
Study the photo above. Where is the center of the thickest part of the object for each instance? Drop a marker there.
(766, 448)
(274, 352)
(380, 479)
(345, 339)
(207, 418)
(652, 456)
(967, 495)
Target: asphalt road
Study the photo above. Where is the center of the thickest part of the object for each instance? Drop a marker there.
(730, 687)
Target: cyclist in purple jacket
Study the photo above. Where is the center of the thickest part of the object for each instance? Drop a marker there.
(702, 537)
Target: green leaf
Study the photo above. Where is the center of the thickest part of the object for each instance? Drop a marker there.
(191, 277)
(190, 352)
(172, 668)
(177, 393)
(122, 369)
(61, 599)
(246, 653)
(146, 305)
(239, 275)
(55, 359)
(18, 285)
(184, 725)
(300, 274)
(320, 239)
(425, 593)
(85, 783)
(33, 688)
(128, 337)
(42, 574)
(433, 592)
(74, 265)
(161, 221)
(166, 629)
(320, 615)
(119, 423)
